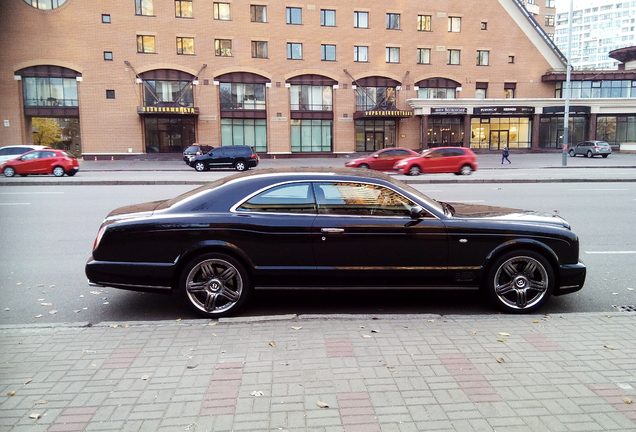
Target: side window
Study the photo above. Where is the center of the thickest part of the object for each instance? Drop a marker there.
(47, 154)
(288, 198)
(4, 152)
(437, 154)
(32, 155)
(360, 199)
(400, 153)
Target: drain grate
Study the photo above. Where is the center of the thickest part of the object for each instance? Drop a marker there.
(625, 308)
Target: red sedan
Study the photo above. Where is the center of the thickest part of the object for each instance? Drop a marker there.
(48, 161)
(457, 160)
(382, 160)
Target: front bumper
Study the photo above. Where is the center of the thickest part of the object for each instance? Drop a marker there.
(572, 278)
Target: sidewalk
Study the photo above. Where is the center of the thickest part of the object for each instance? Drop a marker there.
(571, 372)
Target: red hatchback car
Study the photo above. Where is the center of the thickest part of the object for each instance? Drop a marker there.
(382, 160)
(48, 161)
(457, 160)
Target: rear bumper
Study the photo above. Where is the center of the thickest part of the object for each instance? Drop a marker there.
(572, 278)
(146, 277)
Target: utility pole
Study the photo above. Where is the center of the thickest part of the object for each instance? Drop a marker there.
(568, 93)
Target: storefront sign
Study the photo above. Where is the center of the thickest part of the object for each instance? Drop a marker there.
(359, 114)
(167, 110)
(449, 110)
(503, 110)
(561, 109)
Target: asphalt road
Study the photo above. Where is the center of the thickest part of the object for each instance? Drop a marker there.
(47, 234)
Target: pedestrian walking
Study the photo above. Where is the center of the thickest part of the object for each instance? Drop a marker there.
(504, 155)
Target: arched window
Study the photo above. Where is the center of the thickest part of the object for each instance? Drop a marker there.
(45, 4)
(437, 88)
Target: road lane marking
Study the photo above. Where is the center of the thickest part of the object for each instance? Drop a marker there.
(30, 193)
(597, 190)
(13, 204)
(610, 252)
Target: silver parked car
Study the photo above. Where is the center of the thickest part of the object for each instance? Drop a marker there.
(591, 149)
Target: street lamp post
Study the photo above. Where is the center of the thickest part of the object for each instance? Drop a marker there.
(568, 92)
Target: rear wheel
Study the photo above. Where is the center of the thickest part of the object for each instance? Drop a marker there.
(589, 154)
(9, 171)
(520, 281)
(466, 170)
(214, 285)
(572, 154)
(199, 166)
(415, 170)
(364, 166)
(58, 171)
(240, 166)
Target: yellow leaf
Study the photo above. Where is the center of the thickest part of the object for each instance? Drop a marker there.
(11, 393)
(272, 343)
(500, 360)
(35, 416)
(503, 334)
(366, 336)
(296, 328)
(610, 347)
(501, 340)
(627, 400)
(321, 404)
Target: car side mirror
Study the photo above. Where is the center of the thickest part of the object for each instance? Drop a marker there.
(376, 156)
(416, 212)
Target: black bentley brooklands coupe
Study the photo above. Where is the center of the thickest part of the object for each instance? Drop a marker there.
(307, 228)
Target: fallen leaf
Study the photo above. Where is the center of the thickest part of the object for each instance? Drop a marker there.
(500, 360)
(106, 303)
(501, 340)
(627, 400)
(145, 377)
(474, 332)
(25, 382)
(213, 323)
(321, 404)
(53, 312)
(35, 416)
(296, 328)
(191, 366)
(115, 325)
(46, 304)
(630, 289)
(272, 343)
(375, 331)
(614, 293)
(39, 316)
(431, 320)
(366, 336)
(40, 402)
(504, 334)
(361, 326)
(178, 319)
(536, 322)
(609, 347)
(257, 393)
(11, 393)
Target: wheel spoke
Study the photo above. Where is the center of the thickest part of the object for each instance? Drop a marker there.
(522, 298)
(230, 294)
(210, 302)
(196, 287)
(510, 270)
(227, 274)
(540, 286)
(504, 289)
(207, 271)
(530, 268)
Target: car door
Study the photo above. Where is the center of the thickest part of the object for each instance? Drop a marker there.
(384, 160)
(29, 163)
(435, 161)
(363, 236)
(218, 158)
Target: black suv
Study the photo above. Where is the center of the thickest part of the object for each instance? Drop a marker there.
(238, 157)
(195, 150)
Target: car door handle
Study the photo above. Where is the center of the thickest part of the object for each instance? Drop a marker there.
(332, 230)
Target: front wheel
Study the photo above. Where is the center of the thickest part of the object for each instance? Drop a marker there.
(9, 171)
(415, 170)
(240, 166)
(58, 171)
(572, 154)
(363, 166)
(199, 166)
(520, 282)
(466, 170)
(214, 285)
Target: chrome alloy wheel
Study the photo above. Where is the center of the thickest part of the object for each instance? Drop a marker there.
(214, 286)
(521, 282)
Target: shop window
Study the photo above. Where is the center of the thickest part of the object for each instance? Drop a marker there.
(175, 93)
(259, 49)
(327, 18)
(372, 135)
(453, 56)
(144, 7)
(495, 133)
(251, 132)
(106, 18)
(311, 135)
(46, 92)
(482, 58)
(222, 11)
(328, 52)
(242, 96)
(392, 55)
(360, 54)
(185, 45)
(108, 55)
(423, 56)
(392, 21)
(146, 44)
(294, 15)
(361, 19)
(311, 98)
(223, 47)
(258, 13)
(294, 51)
(183, 8)
(46, 4)
(454, 24)
(423, 23)
(110, 94)
(375, 98)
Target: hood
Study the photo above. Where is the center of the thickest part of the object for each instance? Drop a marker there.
(133, 211)
(505, 214)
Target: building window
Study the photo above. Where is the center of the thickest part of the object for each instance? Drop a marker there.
(259, 49)
(239, 96)
(484, 25)
(50, 92)
(45, 4)
(223, 47)
(108, 55)
(482, 58)
(110, 94)
(146, 44)
(549, 20)
(392, 21)
(453, 56)
(258, 13)
(106, 18)
(550, 3)
(454, 24)
(375, 98)
(144, 7)
(311, 135)
(511, 59)
(294, 15)
(392, 55)
(509, 90)
(361, 19)
(424, 23)
(311, 98)
(436, 93)
(480, 90)
(251, 132)
(294, 51)
(327, 18)
(360, 54)
(183, 8)
(328, 52)
(423, 56)
(158, 92)
(185, 45)
(222, 11)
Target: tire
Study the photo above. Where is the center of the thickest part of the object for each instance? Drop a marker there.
(71, 173)
(58, 171)
(214, 285)
(520, 281)
(589, 154)
(240, 166)
(363, 166)
(9, 171)
(466, 170)
(605, 155)
(199, 166)
(572, 153)
(415, 170)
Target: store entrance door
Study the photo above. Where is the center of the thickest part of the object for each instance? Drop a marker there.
(498, 139)
(373, 141)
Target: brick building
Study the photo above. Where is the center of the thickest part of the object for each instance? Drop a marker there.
(289, 78)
